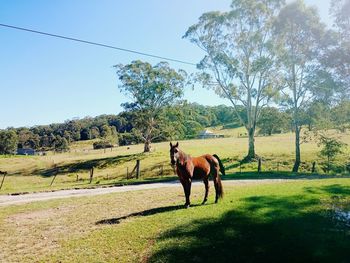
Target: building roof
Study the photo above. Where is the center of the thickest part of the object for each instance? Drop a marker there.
(206, 132)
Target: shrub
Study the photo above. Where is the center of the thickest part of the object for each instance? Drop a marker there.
(102, 145)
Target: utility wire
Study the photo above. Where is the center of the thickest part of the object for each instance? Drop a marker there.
(97, 44)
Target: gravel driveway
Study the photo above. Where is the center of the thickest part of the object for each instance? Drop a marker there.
(6, 200)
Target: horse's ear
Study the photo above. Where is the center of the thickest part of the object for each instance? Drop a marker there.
(177, 144)
(171, 145)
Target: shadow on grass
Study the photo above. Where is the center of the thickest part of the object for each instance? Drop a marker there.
(334, 189)
(230, 163)
(153, 211)
(278, 175)
(262, 229)
(87, 165)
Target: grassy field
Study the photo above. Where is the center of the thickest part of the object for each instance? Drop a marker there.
(35, 173)
(285, 221)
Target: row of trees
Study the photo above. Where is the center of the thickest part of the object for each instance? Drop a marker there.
(258, 54)
(261, 52)
(185, 120)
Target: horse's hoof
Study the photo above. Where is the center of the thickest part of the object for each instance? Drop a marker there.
(187, 205)
(204, 201)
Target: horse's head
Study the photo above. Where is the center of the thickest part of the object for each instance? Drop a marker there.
(174, 153)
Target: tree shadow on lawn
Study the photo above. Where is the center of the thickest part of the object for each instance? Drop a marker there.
(278, 175)
(263, 229)
(87, 165)
(230, 163)
(149, 212)
(334, 189)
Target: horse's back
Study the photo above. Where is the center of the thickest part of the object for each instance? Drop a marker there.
(210, 159)
(202, 165)
(201, 161)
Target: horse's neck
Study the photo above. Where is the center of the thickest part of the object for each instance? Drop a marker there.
(183, 157)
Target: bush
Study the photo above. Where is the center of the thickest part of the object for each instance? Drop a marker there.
(129, 138)
(232, 125)
(102, 145)
(348, 167)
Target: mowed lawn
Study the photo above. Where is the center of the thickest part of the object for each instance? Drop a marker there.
(259, 221)
(35, 173)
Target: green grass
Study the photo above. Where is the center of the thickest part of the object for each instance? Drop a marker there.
(264, 226)
(293, 221)
(34, 173)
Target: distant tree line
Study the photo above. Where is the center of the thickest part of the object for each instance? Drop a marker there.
(181, 121)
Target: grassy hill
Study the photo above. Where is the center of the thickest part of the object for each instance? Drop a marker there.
(35, 173)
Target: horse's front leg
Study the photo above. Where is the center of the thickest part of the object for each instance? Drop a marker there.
(187, 189)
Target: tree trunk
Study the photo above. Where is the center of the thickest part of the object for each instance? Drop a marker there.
(329, 163)
(297, 149)
(147, 146)
(251, 150)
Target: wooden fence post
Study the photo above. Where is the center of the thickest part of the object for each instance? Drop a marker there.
(137, 169)
(313, 170)
(91, 174)
(259, 165)
(3, 178)
(161, 170)
(77, 177)
(54, 177)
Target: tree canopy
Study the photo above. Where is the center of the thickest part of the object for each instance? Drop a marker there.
(150, 88)
(239, 62)
(299, 31)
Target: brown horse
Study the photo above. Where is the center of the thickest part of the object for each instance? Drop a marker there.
(189, 168)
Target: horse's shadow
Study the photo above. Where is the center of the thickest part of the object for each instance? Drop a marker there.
(149, 212)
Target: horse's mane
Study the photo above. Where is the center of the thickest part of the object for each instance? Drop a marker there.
(183, 157)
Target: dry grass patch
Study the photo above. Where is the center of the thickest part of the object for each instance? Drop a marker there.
(148, 225)
(33, 231)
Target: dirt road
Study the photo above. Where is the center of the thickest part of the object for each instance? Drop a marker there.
(6, 200)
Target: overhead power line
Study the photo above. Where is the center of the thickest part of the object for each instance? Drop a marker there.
(98, 44)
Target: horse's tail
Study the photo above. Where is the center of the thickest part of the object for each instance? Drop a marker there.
(222, 168)
(220, 189)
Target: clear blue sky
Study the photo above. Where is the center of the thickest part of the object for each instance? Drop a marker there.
(45, 80)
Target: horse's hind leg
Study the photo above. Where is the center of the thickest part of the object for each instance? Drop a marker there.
(206, 184)
(216, 184)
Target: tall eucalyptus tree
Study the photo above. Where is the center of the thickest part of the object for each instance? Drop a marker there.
(338, 58)
(151, 89)
(299, 32)
(239, 62)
